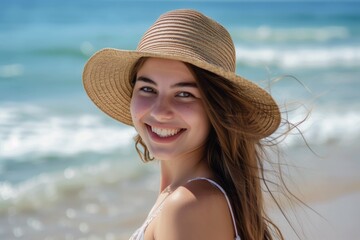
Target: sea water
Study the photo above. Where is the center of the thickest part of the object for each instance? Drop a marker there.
(67, 171)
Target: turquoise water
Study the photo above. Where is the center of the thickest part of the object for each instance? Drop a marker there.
(51, 134)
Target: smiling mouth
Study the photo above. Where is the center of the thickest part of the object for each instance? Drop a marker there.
(165, 132)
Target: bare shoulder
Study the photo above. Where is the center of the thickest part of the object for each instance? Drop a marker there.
(197, 210)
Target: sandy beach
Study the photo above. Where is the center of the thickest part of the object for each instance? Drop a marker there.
(330, 186)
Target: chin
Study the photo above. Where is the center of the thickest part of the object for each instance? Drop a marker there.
(162, 156)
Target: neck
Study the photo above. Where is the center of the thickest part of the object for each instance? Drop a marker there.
(177, 172)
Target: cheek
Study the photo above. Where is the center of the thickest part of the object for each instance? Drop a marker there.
(198, 118)
(204, 124)
(138, 107)
(135, 110)
(204, 121)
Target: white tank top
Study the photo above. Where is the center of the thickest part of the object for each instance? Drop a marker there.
(140, 232)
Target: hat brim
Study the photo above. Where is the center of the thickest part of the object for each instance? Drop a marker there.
(106, 81)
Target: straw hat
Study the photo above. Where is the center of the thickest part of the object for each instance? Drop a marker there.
(184, 35)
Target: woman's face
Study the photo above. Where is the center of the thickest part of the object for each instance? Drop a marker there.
(167, 109)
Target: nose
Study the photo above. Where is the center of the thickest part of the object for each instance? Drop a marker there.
(162, 109)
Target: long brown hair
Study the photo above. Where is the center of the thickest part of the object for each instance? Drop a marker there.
(234, 151)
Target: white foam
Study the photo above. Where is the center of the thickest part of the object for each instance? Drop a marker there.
(270, 34)
(48, 188)
(11, 70)
(29, 130)
(327, 127)
(44, 135)
(87, 48)
(300, 57)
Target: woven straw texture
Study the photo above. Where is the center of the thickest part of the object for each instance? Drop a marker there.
(184, 35)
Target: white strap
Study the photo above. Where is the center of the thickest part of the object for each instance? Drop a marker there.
(226, 197)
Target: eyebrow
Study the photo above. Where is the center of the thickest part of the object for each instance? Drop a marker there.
(179, 84)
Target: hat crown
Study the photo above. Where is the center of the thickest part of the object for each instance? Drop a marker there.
(192, 35)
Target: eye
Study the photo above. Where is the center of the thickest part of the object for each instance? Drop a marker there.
(185, 95)
(147, 90)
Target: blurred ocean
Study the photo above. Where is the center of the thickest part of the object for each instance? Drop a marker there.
(67, 171)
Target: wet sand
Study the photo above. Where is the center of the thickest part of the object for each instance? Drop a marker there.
(330, 186)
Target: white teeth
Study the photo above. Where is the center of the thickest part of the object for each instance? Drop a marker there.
(165, 132)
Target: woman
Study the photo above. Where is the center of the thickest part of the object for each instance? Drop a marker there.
(205, 124)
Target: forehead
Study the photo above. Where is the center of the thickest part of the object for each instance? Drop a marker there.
(158, 69)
